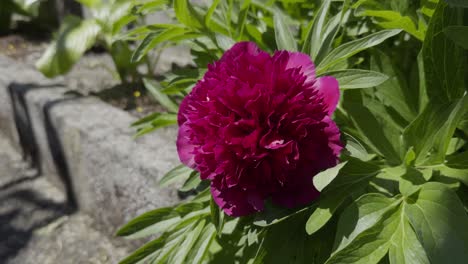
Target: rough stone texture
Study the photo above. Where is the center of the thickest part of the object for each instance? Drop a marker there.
(86, 148)
(38, 226)
(109, 168)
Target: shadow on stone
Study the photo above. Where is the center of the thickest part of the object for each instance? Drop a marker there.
(26, 212)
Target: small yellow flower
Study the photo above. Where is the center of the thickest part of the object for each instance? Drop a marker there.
(137, 94)
(139, 109)
(11, 47)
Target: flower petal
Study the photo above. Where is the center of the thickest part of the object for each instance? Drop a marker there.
(328, 87)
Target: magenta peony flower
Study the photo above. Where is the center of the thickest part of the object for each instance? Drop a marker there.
(258, 127)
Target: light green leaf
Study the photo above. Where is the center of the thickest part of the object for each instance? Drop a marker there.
(152, 222)
(155, 89)
(355, 79)
(283, 35)
(394, 20)
(458, 34)
(90, 3)
(323, 178)
(439, 220)
(190, 239)
(405, 246)
(192, 182)
(145, 251)
(186, 14)
(200, 249)
(349, 49)
(173, 33)
(160, 120)
(74, 38)
(179, 173)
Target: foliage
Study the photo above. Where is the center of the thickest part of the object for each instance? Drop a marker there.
(107, 22)
(21, 7)
(400, 193)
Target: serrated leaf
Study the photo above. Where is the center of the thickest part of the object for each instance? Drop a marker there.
(283, 35)
(356, 79)
(74, 38)
(349, 49)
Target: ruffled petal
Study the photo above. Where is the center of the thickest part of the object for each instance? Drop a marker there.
(328, 87)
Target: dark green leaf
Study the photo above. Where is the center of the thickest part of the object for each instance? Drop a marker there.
(458, 34)
(444, 61)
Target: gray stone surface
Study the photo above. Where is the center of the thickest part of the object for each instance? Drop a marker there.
(86, 148)
(38, 226)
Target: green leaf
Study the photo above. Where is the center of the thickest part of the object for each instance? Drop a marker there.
(371, 245)
(192, 182)
(200, 250)
(405, 246)
(161, 120)
(394, 20)
(173, 33)
(145, 251)
(430, 133)
(151, 222)
(283, 35)
(458, 161)
(444, 61)
(458, 34)
(352, 178)
(155, 89)
(351, 48)
(190, 239)
(410, 182)
(395, 92)
(186, 14)
(375, 128)
(90, 3)
(355, 79)
(323, 178)
(361, 215)
(177, 174)
(439, 221)
(457, 174)
(74, 38)
(314, 39)
(461, 3)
